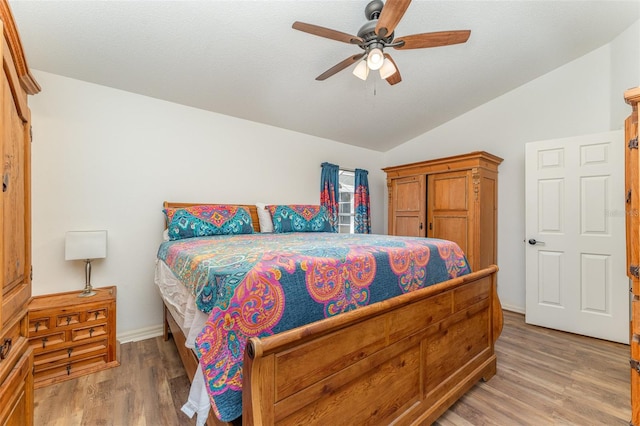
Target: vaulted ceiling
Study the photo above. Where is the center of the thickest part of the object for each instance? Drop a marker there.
(243, 59)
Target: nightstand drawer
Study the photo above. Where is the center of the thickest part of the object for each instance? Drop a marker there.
(71, 369)
(68, 319)
(47, 341)
(66, 355)
(97, 314)
(88, 332)
(37, 325)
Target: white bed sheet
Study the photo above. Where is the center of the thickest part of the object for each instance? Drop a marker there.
(180, 302)
(182, 306)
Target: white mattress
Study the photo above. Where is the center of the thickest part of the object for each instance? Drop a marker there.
(181, 303)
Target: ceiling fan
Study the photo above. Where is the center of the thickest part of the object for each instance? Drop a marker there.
(377, 34)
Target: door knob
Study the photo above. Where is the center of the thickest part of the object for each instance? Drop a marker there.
(533, 242)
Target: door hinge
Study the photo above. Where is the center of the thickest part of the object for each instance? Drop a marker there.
(635, 365)
(31, 274)
(31, 134)
(634, 270)
(633, 143)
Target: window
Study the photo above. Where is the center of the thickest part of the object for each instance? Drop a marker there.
(346, 212)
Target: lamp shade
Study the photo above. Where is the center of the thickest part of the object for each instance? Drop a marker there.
(85, 245)
(361, 70)
(387, 69)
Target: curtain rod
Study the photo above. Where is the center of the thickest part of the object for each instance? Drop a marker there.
(346, 169)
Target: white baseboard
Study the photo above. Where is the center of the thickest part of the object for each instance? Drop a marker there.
(140, 334)
(511, 308)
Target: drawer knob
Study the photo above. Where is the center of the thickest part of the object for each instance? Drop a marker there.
(5, 348)
(97, 313)
(91, 330)
(44, 342)
(68, 320)
(69, 352)
(68, 369)
(37, 325)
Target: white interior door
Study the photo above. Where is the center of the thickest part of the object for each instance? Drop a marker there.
(575, 254)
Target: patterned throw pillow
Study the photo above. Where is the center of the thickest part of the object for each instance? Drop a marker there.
(207, 220)
(300, 218)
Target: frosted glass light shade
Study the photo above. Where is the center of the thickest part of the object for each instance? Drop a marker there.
(85, 245)
(387, 69)
(375, 59)
(361, 70)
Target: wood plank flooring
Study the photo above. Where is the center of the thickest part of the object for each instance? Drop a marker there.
(545, 377)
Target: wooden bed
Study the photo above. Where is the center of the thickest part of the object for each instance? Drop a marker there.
(404, 361)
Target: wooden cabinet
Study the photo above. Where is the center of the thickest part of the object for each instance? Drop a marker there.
(632, 191)
(16, 380)
(453, 198)
(72, 336)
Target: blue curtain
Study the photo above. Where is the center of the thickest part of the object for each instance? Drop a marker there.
(329, 188)
(361, 203)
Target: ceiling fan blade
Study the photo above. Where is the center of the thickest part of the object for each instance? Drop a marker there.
(326, 33)
(395, 78)
(340, 66)
(442, 38)
(391, 14)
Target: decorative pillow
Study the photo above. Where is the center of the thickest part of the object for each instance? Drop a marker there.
(206, 220)
(300, 218)
(264, 217)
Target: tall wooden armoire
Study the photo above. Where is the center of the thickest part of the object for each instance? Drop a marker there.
(453, 198)
(632, 191)
(16, 359)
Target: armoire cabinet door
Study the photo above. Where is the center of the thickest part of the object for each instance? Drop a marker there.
(632, 196)
(409, 208)
(14, 195)
(448, 207)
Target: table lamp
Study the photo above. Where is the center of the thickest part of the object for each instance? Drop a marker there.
(85, 245)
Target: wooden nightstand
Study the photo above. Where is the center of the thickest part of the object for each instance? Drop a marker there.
(72, 336)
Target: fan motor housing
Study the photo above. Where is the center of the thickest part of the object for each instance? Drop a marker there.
(373, 9)
(367, 33)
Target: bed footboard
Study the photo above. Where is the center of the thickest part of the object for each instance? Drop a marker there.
(404, 361)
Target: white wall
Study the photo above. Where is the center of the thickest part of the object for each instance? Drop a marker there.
(107, 159)
(625, 72)
(576, 99)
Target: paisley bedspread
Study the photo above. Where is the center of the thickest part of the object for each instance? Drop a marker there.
(262, 284)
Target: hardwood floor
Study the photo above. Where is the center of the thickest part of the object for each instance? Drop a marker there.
(545, 377)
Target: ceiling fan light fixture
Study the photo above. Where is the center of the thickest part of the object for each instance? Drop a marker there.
(361, 70)
(375, 59)
(387, 69)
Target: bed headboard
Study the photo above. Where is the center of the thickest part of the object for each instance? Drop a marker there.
(251, 208)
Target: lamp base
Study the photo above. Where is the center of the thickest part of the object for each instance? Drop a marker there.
(88, 289)
(88, 293)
